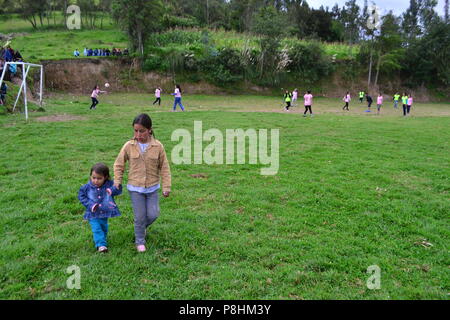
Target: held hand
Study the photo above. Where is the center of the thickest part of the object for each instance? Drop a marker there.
(108, 191)
(166, 194)
(116, 185)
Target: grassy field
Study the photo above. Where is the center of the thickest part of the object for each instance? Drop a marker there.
(353, 190)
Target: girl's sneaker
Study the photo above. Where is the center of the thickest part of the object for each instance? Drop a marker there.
(102, 249)
(140, 248)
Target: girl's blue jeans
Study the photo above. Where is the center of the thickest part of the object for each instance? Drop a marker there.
(177, 101)
(100, 231)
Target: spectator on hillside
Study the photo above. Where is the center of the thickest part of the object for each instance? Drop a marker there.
(13, 69)
(95, 52)
(8, 56)
(90, 52)
(3, 90)
(85, 52)
(18, 56)
(108, 52)
(2, 64)
(125, 52)
(76, 53)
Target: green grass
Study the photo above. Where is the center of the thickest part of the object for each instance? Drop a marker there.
(353, 190)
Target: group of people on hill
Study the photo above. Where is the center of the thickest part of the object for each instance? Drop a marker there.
(102, 52)
(177, 95)
(8, 54)
(293, 97)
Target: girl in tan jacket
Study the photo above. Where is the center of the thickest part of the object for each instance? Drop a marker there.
(148, 165)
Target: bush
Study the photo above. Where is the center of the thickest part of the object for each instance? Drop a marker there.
(309, 61)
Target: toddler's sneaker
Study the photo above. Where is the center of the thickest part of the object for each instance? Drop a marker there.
(102, 249)
(140, 248)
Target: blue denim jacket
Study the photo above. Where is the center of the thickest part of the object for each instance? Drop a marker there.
(89, 195)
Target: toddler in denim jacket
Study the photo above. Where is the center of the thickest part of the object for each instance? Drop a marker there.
(98, 198)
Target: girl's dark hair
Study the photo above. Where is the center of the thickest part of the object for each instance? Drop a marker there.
(101, 168)
(95, 87)
(144, 120)
(178, 87)
(309, 91)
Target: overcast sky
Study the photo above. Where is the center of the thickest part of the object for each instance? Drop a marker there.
(398, 7)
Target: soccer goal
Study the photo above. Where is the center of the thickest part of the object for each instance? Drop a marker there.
(23, 86)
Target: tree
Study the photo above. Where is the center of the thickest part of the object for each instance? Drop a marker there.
(388, 46)
(138, 18)
(350, 19)
(410, 23)
(271, 26)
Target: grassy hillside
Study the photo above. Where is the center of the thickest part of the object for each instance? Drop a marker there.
(48, 43)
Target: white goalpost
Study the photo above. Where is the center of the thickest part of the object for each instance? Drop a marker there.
(23, 87)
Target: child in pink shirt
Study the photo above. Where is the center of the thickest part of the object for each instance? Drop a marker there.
(346, 99)
(410, 103)
(308, 103)
(94, 96)
(158, 96)
(379, 102)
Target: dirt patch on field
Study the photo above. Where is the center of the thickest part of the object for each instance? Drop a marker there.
(60, 118)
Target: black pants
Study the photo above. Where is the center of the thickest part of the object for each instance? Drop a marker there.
(346, 106)
(308, 108)
(94, 103)
(406, 109)
(360, 100)
(369, 104)
(288, 105)
(157, 100)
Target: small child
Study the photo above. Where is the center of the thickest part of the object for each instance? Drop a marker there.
(98, 198)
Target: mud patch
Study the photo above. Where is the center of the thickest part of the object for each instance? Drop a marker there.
(59, 118)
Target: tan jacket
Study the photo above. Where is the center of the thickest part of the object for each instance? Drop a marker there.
(145, 170)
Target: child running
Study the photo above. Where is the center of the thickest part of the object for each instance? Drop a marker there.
(346, 99)
(95, 92)
(98, 198)
(287, 99)
(158, 96)
(177, 95)
(379, 102)
(148, 165)
(308, 103)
